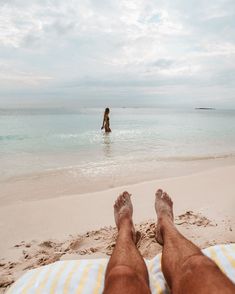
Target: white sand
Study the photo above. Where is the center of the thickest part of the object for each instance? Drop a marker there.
(210, 195)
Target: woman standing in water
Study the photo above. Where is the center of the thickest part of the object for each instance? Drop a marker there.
(106, 121)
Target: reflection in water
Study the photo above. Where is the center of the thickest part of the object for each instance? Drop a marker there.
(107, 144)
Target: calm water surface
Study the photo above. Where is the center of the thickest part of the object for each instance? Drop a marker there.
(34, 141)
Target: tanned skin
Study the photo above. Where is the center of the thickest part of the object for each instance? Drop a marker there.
(184, 266)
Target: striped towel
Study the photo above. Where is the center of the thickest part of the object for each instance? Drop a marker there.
(87, 276)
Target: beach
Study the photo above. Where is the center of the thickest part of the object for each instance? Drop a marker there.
(102, 97)
(60, 176)
(40, 231)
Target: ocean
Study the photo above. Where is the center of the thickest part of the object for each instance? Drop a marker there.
(144, 143)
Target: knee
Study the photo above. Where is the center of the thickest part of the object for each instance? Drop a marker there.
(197, 262)
(124, 277)
(122, 272)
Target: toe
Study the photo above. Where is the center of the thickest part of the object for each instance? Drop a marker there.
(119, 200)
(123, 201)
(170, 200)
(159, 193)
(126, 195)
(167, 198)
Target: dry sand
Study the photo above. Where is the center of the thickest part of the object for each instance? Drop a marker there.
(38, 232)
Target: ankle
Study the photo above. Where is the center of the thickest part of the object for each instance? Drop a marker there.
(164, 222)
(165, 219)
(125, 223)
(126, 229)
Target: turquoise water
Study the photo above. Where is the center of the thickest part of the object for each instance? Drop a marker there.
(34, 141)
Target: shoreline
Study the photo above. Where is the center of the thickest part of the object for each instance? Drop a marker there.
(41, 231)
(66, 182)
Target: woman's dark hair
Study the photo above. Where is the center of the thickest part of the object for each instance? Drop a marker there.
(106, 110)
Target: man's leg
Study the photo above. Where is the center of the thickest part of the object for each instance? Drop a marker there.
(126, 271)
(184, 266)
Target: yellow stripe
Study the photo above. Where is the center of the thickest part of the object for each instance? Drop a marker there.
(70, 275)
(57, 277)
(44, 281)
(229, 257)
(152, 263)
(159, 288)
(214, 257)
(151, 266)
(83, 279)
(157, 284)
(31, 282)
(99, 279)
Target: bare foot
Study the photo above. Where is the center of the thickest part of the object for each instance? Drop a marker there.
(164, 209)
(123, 209)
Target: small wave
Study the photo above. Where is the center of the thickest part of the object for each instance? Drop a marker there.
(197, 157)
(84, 138)
(68, 136)
(152, 158)
(12, 138)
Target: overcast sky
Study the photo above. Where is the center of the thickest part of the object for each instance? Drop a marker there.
(117, 53)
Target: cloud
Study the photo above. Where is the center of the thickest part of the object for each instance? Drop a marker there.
(173, 47)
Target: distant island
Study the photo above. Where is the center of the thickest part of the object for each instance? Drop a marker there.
(205, 108)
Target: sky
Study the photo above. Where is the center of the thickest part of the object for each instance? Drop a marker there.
(117, 53)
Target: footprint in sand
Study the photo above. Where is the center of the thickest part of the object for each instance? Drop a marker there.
(191, 218)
